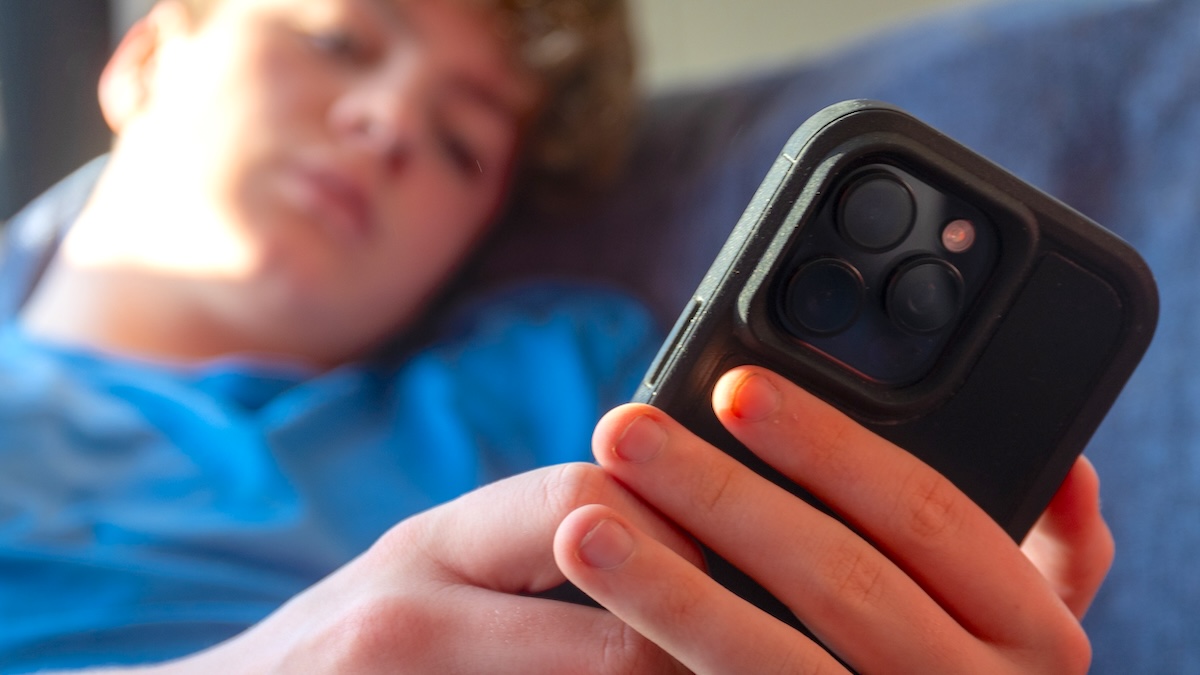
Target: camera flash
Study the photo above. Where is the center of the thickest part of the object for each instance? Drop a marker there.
(958, 236)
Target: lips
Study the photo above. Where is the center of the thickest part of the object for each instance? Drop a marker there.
(334, 199)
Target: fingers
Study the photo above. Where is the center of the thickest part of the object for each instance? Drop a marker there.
(354, 622)
(441, 593)
(520, 635)
(848, 593)
(941, 584)
(939, 536)
(675, 605)
(1071, 544)
(500, 536)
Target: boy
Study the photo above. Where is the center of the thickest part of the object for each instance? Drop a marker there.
(196, 428)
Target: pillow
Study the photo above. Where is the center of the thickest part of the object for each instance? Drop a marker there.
(32, 236)
(1041, 88)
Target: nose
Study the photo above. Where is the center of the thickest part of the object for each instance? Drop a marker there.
(383, 112)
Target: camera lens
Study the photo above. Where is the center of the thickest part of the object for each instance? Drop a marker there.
(925, 295)
(824, 296)
(877, 211)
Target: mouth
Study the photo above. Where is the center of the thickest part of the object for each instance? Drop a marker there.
(334, 199)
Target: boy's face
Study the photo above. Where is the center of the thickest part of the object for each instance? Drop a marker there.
(340, 156)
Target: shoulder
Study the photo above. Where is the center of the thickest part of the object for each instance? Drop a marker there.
(548, 326)
(591, 306)
(552, 321)
(527, 371)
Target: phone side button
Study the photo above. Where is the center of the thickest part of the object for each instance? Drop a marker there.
(667, 352)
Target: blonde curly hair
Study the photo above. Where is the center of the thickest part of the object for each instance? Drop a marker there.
(582, 51)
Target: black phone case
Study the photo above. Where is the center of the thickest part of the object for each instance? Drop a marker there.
(1033, 367)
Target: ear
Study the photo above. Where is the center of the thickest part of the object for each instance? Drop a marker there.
(127, 82)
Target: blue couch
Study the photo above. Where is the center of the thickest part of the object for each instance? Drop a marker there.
(1095, 101)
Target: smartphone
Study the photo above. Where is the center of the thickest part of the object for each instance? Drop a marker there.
(943, 303)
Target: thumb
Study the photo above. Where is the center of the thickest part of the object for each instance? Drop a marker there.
(501, 536)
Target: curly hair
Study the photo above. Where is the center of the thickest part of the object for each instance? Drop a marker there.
(582, 52)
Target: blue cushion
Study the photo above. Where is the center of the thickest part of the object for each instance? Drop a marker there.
(1095, 101)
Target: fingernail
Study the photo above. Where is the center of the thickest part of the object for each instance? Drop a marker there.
(755, 398)
(641, 441)
(606, 546)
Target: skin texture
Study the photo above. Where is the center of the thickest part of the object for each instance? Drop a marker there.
(370, 147)
(943, 589)
(447, 591)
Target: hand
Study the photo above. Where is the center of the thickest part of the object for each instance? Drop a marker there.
(943, 588)
(446, 592)
(1071, 544)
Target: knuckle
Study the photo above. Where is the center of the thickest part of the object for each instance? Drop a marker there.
(828, 450)
(371, 637)
(396, 544)
(624, 650)
(682, 603)
(1072, 650)
(566, 487)
(1066, 651)
(712, 493)
(931, 506)
(412, 548)
(619, 648)
(854, 574)
(1079, 656)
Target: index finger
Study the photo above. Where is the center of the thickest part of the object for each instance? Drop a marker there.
(906, 508)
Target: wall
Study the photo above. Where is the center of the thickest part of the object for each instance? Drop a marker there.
(51, 53)
(688, 40)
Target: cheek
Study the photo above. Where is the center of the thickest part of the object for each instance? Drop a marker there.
(432, 233)
(448, 234)
(292, 94)
(277, 111)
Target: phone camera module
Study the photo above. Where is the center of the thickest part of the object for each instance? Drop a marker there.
(877, 212)
(925, 295)
(824, 296)
(884, 272)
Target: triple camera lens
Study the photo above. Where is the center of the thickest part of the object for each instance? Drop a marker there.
(876, 214)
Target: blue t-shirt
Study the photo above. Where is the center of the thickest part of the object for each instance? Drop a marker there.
(147, 512)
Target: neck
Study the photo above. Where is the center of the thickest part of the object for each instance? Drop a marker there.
(128, 313)
(109, 290)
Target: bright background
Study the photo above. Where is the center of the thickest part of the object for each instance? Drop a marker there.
(688, 40)
(51, 52)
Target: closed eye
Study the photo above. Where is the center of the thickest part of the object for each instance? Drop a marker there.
(460, 154)
(341, 44)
